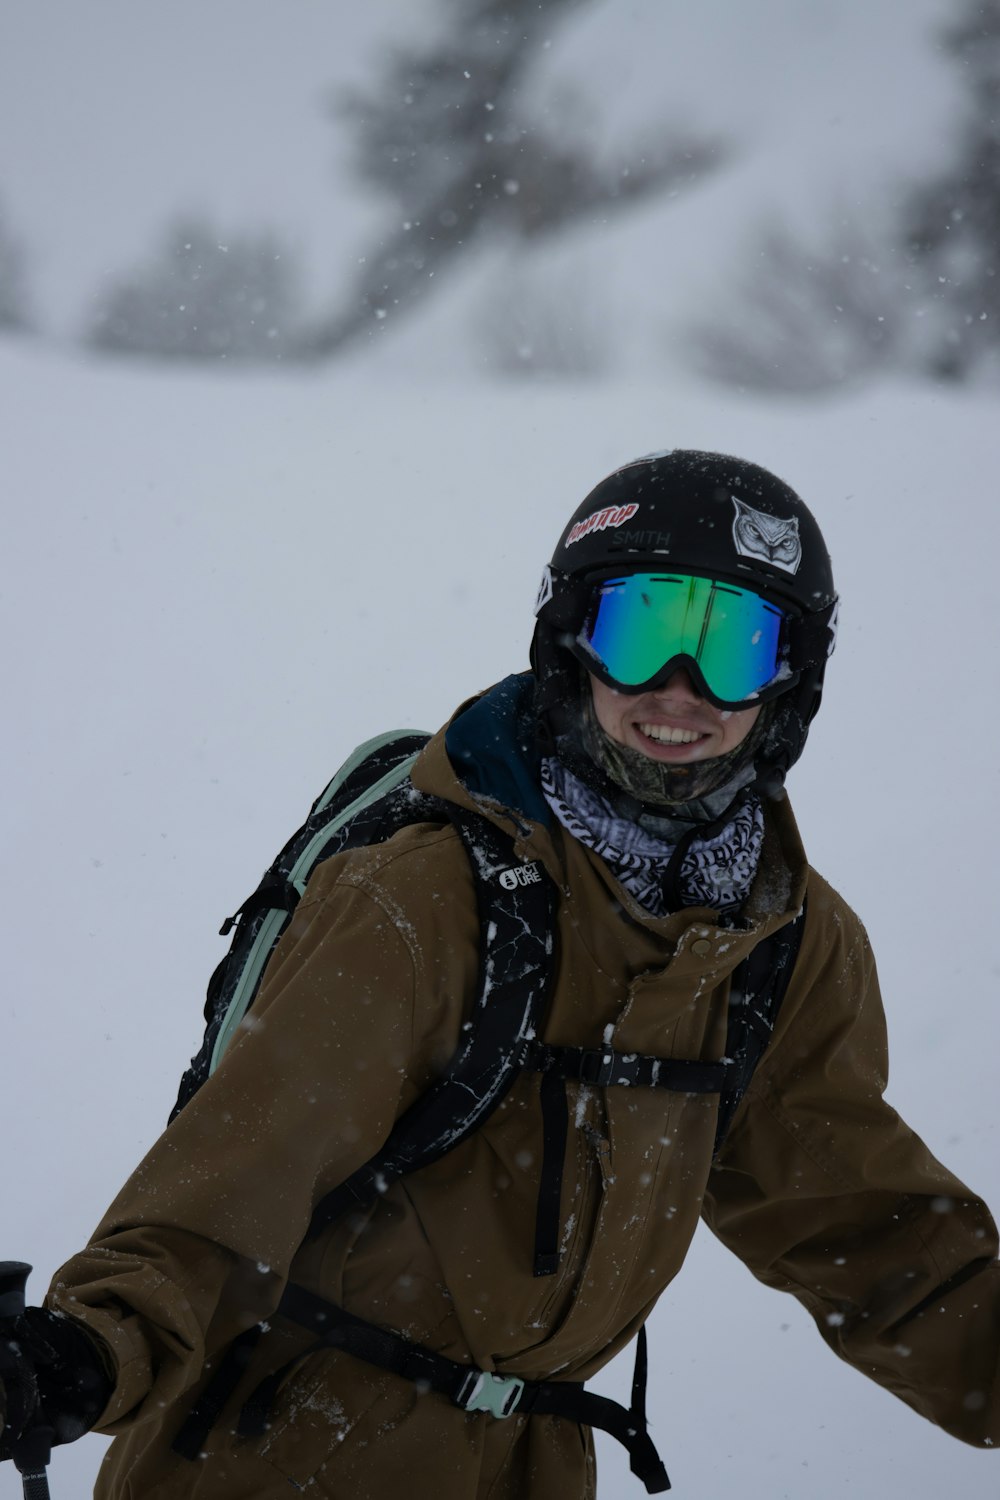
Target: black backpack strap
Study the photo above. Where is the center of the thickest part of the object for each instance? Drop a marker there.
(227, 1374)
(516, 904)
(548, 1213)
(758, 988)
(603, 1068)
(600, 1067)
(470, 1389)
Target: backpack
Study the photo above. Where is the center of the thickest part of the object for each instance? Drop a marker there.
(370, 798)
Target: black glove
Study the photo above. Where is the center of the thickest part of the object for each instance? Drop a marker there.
(51, 1375)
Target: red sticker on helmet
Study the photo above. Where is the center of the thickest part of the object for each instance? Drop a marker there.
(600, 520)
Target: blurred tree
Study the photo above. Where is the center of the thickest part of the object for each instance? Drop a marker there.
(202, 296)
(545, 320)
(919, 292)
(15, 316)
(952, 223)
(804, 321)
(450, 135)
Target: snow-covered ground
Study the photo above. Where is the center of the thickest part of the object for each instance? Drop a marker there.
(214, 587)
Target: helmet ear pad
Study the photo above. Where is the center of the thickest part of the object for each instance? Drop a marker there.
(559, 679)
(785, 741)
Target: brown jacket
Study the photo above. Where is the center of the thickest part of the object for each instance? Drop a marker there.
(821, 1189)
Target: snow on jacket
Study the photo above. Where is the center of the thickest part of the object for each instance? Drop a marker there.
(820, 1189)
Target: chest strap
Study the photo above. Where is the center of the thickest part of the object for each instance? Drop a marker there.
(601, 1068)
(470, 1389)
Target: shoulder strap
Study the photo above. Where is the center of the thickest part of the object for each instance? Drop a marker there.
(369, 799)
(517, 920)
(758, 988)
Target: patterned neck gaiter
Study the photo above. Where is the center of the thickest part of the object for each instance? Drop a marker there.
(715, 870)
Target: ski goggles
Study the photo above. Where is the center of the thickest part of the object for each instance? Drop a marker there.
(643, 626)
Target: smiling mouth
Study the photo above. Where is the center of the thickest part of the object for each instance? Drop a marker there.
(664, 735)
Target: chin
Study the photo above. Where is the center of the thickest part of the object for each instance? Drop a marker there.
(673, 760)
(691, 756)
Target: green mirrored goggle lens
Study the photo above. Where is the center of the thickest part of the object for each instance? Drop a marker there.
(642, 621)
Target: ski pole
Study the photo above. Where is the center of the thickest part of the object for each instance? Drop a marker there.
(32, 1450)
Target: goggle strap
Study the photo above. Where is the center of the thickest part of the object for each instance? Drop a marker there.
(810, 640)
(567, 602)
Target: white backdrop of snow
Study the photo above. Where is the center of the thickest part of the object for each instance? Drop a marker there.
(215, 587)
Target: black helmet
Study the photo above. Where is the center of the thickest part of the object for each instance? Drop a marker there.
(708, 516)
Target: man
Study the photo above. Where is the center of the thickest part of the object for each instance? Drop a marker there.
(682, 634)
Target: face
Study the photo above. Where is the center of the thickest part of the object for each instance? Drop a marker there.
(672, 724)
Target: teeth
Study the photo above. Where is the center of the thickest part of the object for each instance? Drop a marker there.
(668, 736)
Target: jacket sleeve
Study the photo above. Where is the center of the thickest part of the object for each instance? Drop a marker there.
(824, 1192)
(198, 1244)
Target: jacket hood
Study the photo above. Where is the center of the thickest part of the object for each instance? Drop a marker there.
(492, 742)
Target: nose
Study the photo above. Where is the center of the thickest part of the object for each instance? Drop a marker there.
(679, 686)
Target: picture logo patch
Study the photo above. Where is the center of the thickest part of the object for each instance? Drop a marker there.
(522, 875)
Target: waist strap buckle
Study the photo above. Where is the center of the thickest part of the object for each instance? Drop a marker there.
(498, 1395)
